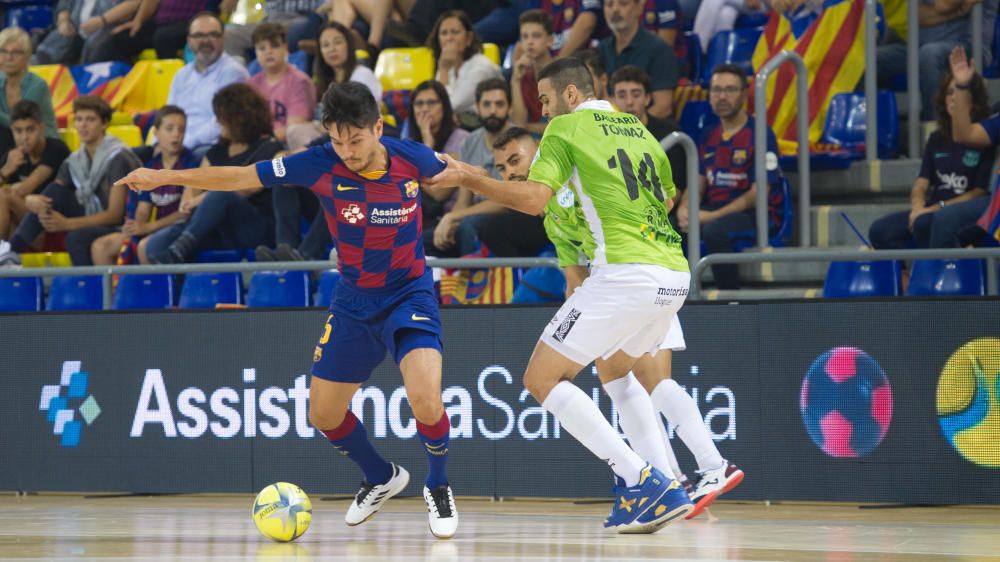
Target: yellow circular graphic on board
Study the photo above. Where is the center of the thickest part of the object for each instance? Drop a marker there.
(968, 401)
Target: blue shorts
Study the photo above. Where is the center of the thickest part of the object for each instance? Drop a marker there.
(361, 327)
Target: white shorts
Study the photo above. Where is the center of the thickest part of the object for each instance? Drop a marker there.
(619, 307)
(675, 337)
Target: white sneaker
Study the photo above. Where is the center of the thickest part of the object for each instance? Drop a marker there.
(8, 257)
(370, 498)
(712, 484)
(441, 511)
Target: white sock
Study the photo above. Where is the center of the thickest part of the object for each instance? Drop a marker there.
(638, 419)
(671, 457)
(682, 411)
(583, 420)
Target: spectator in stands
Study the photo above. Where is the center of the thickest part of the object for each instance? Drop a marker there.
(79, 27)
(629, 88)
(574, 23)
(720, 15)
(17, 83)
(950, 174)
(461, 63)
(165, 23)
(299, 17)
(536, 44)
(457, 232)
(289, 91)
(140, 220)
(224, 219)
(511, 233)
(29, 166)
(631, 44)
(943, 25)
(592, 59)
(337, 63)
(969, 128)
(194, 86)
(375, 13)
(432, 120)
(82, 201)
(727, 189)
(665, 18)
(113, 39)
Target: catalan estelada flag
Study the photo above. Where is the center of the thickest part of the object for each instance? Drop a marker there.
(990, 221)
(832, 48)
(61, 87)
(100, 78)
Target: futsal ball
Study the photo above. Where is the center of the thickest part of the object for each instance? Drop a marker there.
(846, 402)
(282, 512)
(968, 401)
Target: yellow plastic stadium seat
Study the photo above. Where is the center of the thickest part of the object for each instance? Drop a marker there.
(129, 134)
(492, 52)
(147, 54)
(70, 137)
(403, 69)
(46, 259)
(120, 118)
(361, 54)
(247, 11)
(146, 86)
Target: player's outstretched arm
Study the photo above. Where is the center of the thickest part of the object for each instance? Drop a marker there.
(525, 196)
(212, 178)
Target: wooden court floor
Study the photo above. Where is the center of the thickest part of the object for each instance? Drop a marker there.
(66, 527)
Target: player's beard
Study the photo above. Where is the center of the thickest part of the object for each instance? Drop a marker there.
(518, 178)
(562, 108)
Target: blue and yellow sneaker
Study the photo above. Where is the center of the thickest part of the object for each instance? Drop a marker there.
(631, 504)
(670, 508)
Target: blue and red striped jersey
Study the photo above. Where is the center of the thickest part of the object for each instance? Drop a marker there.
(728, 168)
(375, 221)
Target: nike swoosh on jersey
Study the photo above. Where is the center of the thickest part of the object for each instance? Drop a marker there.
(415, 317)
(342, 188)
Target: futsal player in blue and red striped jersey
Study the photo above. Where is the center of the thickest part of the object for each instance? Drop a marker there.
(370, 193)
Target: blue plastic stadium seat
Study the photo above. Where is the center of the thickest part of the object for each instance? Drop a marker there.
(29, 18)
(221, 256)
(731, 47)
(298, 59)
(845, 124)
(947, 278)
(696, 118)
(205, 290)
(277, 289)
(693, 54)
(19, 294)
(862, 279)
(144, 292)
(751, 20)
(327, 287)
(77, 292)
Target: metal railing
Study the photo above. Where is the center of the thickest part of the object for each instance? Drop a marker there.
(108, 271)
(760, 144)
(871, 85)
(991, 255)
(912, 78)
(693, 190)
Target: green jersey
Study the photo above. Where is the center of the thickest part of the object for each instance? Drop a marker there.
(567, 230)
(611, 174)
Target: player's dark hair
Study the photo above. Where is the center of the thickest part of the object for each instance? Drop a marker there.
(26, 109)
(591, 58)
(491, 84)
(510, 135)
(567, 71)
(349, 105)
(629, 73)
(734, 69)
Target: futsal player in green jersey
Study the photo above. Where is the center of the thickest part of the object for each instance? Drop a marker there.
(602, 168)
